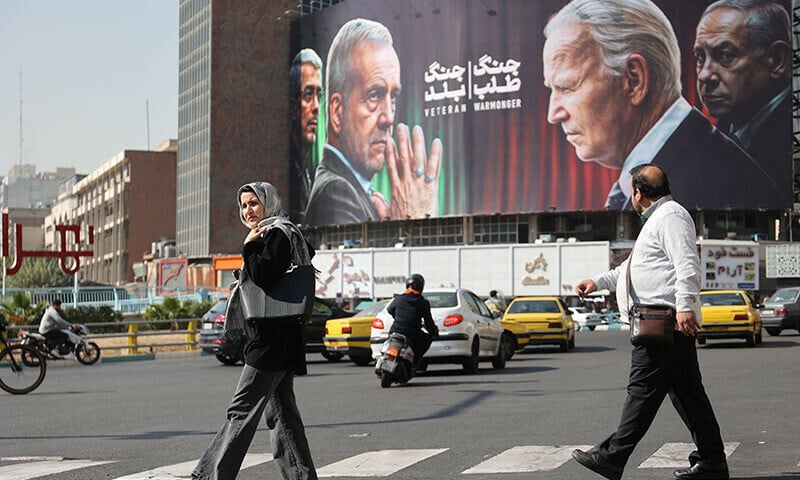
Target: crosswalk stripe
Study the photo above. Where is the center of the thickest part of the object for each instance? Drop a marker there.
(28, 470)
(530, 458)
(381, 463)
(184, 470)
(676, 455)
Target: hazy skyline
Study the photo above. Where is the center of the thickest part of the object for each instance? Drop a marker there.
(89, 67)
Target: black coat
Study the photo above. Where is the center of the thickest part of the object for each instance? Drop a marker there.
(410, 310)
(276, 344)
(707, 169)
(336, 196)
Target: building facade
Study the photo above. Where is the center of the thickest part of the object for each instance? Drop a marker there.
(130, 202)
(233, 112)
(234, 128)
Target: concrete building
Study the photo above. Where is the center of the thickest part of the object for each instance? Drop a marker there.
(130, 202)
(25, 188)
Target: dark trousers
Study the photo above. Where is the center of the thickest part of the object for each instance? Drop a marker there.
(420, 343)
(271, 394)
(654, 374)
(55, 338)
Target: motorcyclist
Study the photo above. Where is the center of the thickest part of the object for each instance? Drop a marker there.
(410, 310)
(51, 327)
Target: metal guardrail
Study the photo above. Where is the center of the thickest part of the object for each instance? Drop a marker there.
(133, 333)
(131, 299)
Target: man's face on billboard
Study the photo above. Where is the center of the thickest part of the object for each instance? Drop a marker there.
(729, 76)
(584, 98)
(310, 95)
(368, 108)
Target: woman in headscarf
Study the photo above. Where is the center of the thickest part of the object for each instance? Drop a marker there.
(274, 352)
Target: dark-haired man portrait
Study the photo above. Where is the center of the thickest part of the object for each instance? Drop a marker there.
(743, 52)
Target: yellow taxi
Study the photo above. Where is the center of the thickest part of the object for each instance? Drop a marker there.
(548, 320)
(350, 336)
(518, 331)
(729, 314)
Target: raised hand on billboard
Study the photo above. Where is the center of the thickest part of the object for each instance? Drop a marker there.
(414, 174)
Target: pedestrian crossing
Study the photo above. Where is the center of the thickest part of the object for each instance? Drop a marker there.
(369, 464)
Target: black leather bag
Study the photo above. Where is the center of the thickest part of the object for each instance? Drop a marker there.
(652, 325)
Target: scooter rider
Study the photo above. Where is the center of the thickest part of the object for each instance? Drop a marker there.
(51, 327)
(409, 310)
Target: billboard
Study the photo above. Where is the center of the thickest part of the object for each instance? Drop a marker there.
(729, 266)
(466, 107)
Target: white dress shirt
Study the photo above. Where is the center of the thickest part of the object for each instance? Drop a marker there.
(665, 266)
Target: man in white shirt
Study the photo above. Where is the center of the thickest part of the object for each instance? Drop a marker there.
(52, 324)
(664, 269)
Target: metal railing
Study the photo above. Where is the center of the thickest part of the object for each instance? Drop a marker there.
(133, 299)
(134, 334)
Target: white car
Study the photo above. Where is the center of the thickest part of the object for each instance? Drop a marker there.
(583, 317)
(467, 331)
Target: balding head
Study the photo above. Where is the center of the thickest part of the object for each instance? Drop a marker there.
(650, 180)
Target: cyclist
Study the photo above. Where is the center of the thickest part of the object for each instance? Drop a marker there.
(51, 327)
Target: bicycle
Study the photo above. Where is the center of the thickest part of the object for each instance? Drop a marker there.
(22, 368)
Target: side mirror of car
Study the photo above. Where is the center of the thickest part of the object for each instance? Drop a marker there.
(497, 314)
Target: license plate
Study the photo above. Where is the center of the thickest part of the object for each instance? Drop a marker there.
(767, 312)
(389, 365)
(208, 326)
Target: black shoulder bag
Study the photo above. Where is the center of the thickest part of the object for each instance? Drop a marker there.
(651, 325)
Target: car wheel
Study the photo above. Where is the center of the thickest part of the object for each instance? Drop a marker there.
(332, 356)
(471, 363)
(512, 344)
(227, 360)
(773, 332)
(591, 328)
(759, 337)
(563, 346)
(571, 344)
(499, 362)
(750, 341)
(361, 361)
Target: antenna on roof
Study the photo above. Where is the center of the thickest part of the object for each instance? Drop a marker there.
(20, 117)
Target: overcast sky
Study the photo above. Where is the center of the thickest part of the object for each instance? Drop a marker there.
(89, 69)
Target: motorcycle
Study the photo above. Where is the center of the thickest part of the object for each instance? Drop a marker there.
(87, 352)
(396, 362)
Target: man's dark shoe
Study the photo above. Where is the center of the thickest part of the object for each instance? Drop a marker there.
(704, 471)
(594, 462)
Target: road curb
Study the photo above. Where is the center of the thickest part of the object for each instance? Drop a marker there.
(128, 358)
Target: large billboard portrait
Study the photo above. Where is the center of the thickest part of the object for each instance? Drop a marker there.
(451, 107)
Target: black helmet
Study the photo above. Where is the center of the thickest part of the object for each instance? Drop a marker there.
(415, 282)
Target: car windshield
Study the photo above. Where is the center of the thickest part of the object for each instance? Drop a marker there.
(784, 295)
(534, 306)
(373, 309)
(219, 306)
(718, 299)
(441, 299)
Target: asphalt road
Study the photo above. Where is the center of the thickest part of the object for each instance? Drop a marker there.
(516, 423)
